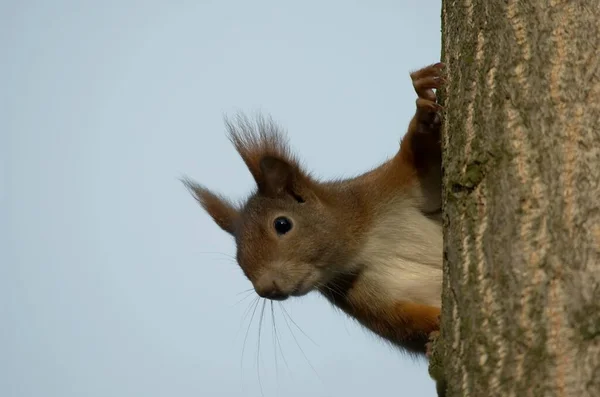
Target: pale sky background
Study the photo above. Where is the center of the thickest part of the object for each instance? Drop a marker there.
(113, 281)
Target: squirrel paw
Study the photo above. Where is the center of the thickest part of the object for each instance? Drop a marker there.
(424, 81)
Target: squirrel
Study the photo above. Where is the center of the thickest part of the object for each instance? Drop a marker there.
(371, 244)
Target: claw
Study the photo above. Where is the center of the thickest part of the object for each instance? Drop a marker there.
(425, 81)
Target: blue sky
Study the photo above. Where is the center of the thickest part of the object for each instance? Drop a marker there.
(113, 282)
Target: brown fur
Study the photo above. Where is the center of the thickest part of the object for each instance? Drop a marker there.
(367, 243)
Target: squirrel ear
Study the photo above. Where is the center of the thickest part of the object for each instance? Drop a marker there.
(278, 177)
(220, 209)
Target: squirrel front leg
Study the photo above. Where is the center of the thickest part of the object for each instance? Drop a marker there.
(421, 152)
(421, 146)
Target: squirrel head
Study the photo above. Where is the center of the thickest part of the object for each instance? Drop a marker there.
(289, 235)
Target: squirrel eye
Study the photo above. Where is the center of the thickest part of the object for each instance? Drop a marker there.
(282, 225)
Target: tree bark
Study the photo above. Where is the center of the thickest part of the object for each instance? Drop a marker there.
(521, 300)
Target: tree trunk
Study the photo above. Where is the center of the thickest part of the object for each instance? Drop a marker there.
(521, 301)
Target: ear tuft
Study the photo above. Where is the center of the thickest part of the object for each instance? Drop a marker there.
(219, 208)
(263, 146)
(256, 138)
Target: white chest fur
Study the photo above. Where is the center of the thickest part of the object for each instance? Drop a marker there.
(402, 257)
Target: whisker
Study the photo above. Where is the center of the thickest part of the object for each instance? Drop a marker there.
(274, 337)
(343, 272)
(333, 293)
(247, 331)
(229, 256)
(297, 326)
(245, 291)
(248, 295)
(298, 344)
(278, 341)
(246, 313)
(262, 312)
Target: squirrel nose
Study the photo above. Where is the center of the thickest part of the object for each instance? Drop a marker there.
(266, 287)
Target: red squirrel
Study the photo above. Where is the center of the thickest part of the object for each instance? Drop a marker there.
(372, 244)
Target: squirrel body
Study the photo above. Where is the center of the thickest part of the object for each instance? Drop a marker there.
(372, 244)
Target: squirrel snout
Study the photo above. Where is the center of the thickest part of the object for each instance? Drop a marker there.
(266, 287)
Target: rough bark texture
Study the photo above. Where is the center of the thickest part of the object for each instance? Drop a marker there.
(521, 304)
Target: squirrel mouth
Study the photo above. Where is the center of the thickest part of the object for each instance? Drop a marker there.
(302, 288)
(300, 291)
